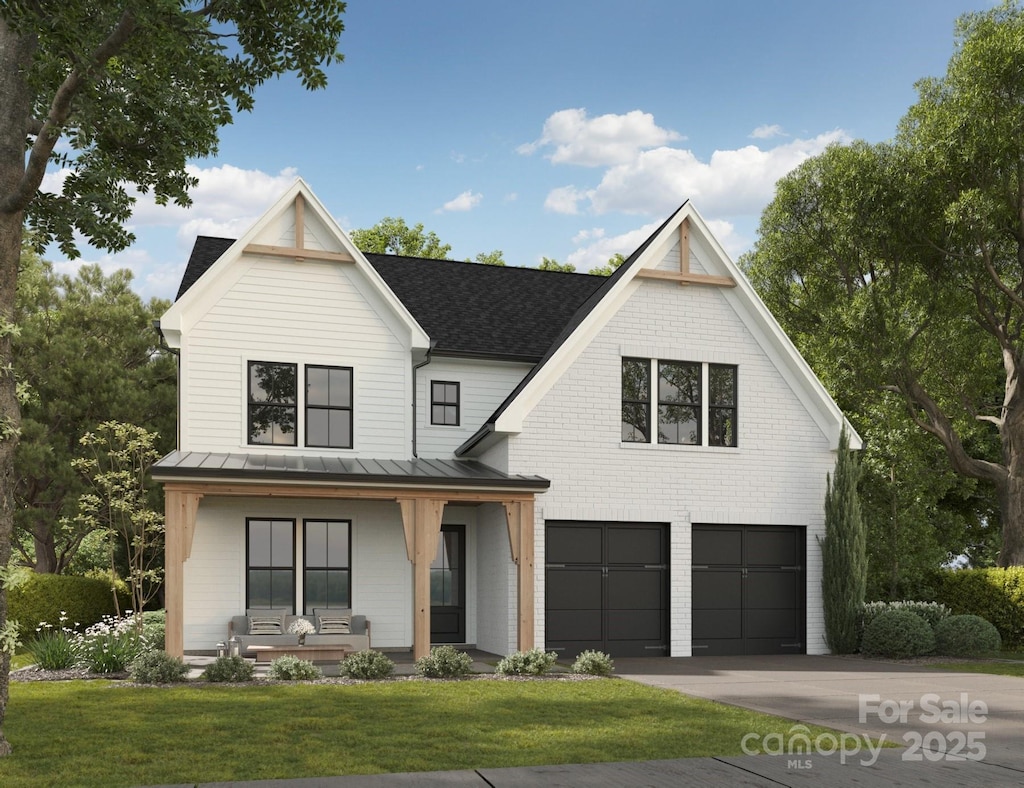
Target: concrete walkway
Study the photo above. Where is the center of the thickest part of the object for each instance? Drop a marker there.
(930, 713)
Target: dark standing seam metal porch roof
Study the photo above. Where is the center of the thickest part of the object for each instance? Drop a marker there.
(211, 466)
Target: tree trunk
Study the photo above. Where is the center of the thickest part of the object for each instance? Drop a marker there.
(1011, 502)
(45, 549)
(15, 112)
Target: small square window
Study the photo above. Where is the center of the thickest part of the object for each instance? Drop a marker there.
(444, 403)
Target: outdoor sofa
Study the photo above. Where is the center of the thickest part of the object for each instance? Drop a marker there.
(257, 628)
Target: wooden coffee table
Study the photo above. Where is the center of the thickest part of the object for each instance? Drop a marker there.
(311, 653)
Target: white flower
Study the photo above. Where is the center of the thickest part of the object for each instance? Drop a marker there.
(301, 627)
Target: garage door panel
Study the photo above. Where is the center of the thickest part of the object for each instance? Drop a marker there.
(574, 589)
(771, 624)
(708, 624)
(771, 547)
(635, 544)
(638, 588)
(717, 589)
(765, 589)
(718, 546)
(645, 625)
(606, 588)
(574, 544)
(748, 590)
(576, 624)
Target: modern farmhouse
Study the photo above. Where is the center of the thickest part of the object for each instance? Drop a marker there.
(498, 457)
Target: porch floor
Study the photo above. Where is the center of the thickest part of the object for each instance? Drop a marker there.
(483, 662)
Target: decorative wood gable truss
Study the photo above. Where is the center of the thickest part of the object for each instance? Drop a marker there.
(685, 277)
(298, 252)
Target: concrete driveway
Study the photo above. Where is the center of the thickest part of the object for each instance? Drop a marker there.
(931, 712)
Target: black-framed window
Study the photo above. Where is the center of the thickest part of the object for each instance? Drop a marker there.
(636, 400)
(444, 403)
(270, 563)
(679, 402)
(273, 411)
(721, 405)
(329, 407)
(326, 570)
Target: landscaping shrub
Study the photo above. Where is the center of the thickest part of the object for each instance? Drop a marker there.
(444, 662)
(157, 667)
(111, 645)
(229, 669)
(38, 598)
(932, 612)
(898, 634)
(53, 648)
(291, 668)
(995, 594)
(966, 636)
(534, 662)
(593, 663)
(367, 664)
(154, 625)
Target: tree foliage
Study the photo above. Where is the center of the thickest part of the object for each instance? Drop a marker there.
(495, 257)
(610, 267)
(548, 264)
(392, 235)
(843, 553)
(86, 353)
(899, 267)
(133, 90)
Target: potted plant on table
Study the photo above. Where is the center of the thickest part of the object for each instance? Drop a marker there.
(301, 627)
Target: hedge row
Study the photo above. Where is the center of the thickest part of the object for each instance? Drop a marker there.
(42, 597)
(996, 595)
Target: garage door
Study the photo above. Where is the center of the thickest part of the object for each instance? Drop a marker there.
(748, 590)
(606, 588)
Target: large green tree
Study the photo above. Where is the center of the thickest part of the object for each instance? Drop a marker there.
(392, 235)
(899, 267)
(132, 90)
(86, 353)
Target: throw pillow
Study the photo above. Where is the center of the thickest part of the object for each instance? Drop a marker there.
(264, 625)
(334, 625)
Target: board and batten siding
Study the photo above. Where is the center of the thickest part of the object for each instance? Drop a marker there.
(483, 386)
(775, 476)
(304, 313)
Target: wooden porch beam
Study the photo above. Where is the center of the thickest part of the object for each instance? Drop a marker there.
(280, 490)
(180, 510)
(421, 517)
(521, 538)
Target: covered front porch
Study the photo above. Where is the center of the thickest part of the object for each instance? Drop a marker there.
(414, 493)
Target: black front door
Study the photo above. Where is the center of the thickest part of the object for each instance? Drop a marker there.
(448, 587)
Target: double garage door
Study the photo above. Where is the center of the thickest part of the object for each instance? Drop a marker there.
(607, 588)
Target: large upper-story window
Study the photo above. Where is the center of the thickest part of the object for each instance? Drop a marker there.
(273, 413)
(329, 407)
(696, 404)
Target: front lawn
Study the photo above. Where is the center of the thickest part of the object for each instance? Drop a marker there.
(105, 734)
(996, 668)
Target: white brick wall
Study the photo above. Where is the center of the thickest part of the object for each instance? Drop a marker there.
(495, 589)
(775, 476)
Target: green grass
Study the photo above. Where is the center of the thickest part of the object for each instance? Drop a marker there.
(87, 733)
(995, 668)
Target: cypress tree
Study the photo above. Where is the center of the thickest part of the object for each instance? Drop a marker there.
(844, 553)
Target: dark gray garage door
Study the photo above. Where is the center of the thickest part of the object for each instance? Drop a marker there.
(748, 590)
(607, 588)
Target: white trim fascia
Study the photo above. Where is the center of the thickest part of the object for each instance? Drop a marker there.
(744, 300)
(218, 278)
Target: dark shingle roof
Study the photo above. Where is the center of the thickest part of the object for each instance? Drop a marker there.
(465, 308)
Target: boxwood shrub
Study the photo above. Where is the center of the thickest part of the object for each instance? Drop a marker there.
(367, 664)
(157, 667)
(40, 598)
(229, 669)
(444, 662)
(534, 662)
(292, 668)
(898, 634)
(966, 636)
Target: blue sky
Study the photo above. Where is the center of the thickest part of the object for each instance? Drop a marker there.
(558, 128)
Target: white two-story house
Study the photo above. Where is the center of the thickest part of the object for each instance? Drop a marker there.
(498, 457)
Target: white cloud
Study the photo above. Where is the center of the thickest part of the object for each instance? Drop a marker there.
(598, 142)
(511, 197)
(586, 235)
(466, 201)
(766, 132)
(565, 199)
(598, 252)
(730, 183)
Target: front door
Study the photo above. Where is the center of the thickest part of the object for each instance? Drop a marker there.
(448, 587)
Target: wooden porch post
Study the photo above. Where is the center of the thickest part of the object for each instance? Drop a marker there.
(180, 509)
(520, 537)
(421, 518)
